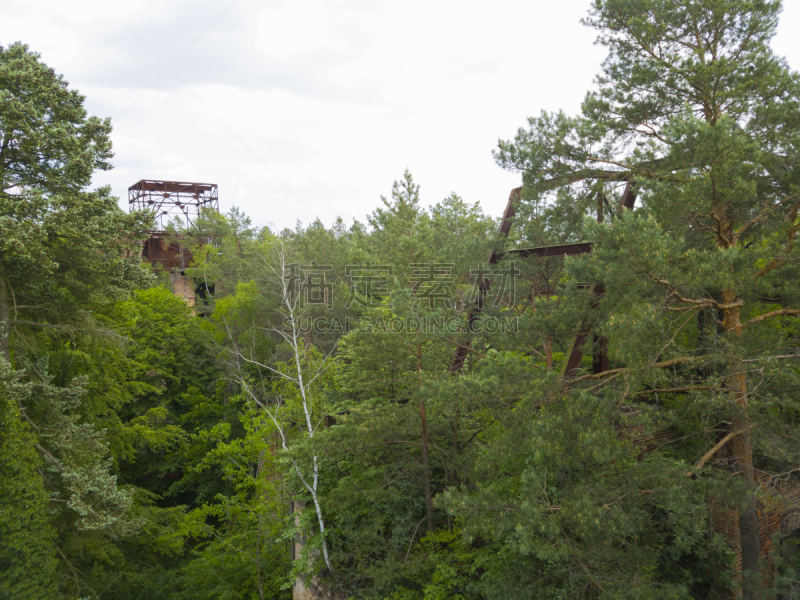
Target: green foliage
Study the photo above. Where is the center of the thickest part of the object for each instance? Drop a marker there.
(147, 451)
(48, 143)
(26, 536)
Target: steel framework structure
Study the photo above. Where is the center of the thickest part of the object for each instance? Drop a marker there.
(173, 199)
(575, 353)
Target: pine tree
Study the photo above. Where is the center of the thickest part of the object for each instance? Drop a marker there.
(697, 115)
(66, 256)
(26, 535)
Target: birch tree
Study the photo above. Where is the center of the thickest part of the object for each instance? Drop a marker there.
(285, 390)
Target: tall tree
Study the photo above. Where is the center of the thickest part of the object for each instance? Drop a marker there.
(694, 111)
(48, 141)
(66, 255)
(48, 225)
(26, 552)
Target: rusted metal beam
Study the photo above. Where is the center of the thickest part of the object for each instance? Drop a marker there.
(182, 187)
(600, 356)
(550, 251)
(472, 316)
(575, 352)
(508, 218)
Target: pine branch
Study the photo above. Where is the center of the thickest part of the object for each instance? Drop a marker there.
(53, 459)
(712, 452)
(676, 390)
(659, 365)
(75, 574)
(769, 315)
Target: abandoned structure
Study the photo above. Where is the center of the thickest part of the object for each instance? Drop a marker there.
(180, 204)
(778, 513)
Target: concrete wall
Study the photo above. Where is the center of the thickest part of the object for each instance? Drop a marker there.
(308, 588)
(183, 287)
(313, 590)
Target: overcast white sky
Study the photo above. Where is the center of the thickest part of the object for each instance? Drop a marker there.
(311, 108)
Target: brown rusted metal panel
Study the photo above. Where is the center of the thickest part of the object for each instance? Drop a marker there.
(177, 187)
(600, 357)
(628, 198)
(167, 252)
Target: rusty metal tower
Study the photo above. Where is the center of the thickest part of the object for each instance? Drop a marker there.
(173, 198)
(168, 251)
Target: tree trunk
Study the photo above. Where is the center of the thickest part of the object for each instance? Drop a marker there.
(600, 198)
(742, 450)
(425, 466)
(425, 463)
(5, 311)
(259, 580)
(455, 451)
(751, 549)
(259, 474)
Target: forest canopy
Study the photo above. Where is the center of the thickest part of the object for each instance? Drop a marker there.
(593, 395)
